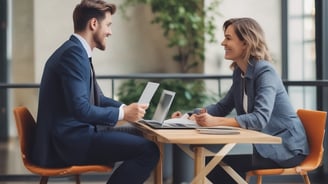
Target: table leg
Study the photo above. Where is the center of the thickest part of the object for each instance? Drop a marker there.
(215, 161)
(158, 175)
(186, 148)
(199, 162)
(232, 173)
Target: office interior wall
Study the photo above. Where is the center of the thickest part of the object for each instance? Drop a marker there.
(135, 46)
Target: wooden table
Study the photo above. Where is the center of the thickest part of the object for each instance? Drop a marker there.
(185, 137)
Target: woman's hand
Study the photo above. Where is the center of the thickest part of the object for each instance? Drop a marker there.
(176, 114)
(207, 120)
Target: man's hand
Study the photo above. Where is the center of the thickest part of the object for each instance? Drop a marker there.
(134, 112)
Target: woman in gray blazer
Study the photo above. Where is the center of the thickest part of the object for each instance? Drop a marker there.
(260, 100)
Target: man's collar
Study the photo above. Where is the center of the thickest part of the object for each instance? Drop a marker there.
(85, 44)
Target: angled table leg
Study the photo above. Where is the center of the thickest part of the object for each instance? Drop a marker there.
(200, 162)
(201, 174)
(232, 173)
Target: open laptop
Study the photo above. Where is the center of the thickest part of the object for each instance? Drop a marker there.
(158, 120)
(161, 110)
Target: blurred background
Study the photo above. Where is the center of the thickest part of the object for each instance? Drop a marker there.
(151, 41)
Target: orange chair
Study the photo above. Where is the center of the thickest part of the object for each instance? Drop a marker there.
(26, 127)
(314, 123)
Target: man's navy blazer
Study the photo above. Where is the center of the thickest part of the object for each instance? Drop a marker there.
(66, 119)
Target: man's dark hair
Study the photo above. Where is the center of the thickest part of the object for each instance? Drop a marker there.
(89, 9)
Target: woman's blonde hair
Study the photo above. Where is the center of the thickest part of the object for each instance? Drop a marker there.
(250, 32)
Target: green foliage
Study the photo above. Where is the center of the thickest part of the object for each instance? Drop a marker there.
(185, 24)
(189, 94)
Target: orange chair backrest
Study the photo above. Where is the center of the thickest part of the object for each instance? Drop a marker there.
(25, 128)
(314, 123)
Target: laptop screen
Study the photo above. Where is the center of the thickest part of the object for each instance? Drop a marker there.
(164, 105)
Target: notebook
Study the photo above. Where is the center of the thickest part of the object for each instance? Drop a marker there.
(161, 110)
(219, 130)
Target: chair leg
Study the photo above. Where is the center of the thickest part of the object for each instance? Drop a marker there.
(44, 180)
(77, 179)
(306, 179)
(248, 178)
(259, 179)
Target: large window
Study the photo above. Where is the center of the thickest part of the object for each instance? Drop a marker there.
(301, 55)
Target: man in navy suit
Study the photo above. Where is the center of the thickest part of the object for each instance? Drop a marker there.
(72, 106)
